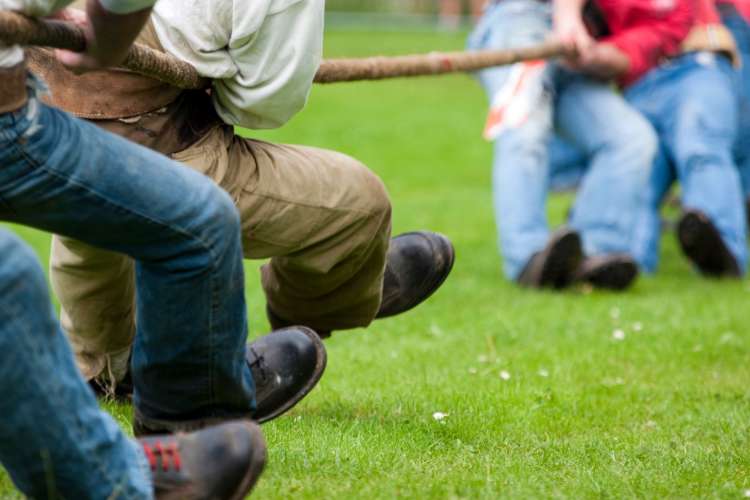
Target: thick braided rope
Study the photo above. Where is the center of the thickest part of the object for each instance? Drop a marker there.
(22, 30)
(18, 29)
(435, 63)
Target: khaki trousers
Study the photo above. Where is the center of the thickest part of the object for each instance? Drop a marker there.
(322, 217)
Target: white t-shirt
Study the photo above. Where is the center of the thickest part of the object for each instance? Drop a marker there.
(10, 56)
(261, 54)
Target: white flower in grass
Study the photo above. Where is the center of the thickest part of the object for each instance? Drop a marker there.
(435, 330)
(505, 375)
(614, 313)
(439, 416)
(747, 493)
(618, 334)
(637, 326)
(543, 373)
(473, 370)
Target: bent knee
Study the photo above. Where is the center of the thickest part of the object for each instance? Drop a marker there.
(379, 202)
(220, 214)
(367, 192)
(638, 139)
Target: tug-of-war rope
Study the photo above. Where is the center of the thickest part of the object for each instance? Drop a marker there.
(22, 30)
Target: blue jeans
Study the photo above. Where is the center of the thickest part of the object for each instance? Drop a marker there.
(54, 440)
(617, 152)
(692, 101)
(66, 176)
(741, 31)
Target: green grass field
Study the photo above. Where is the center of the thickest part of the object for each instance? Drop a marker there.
(664, 412)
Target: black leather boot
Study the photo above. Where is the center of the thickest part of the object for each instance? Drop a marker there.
(417, 264)
(611, 272)
(554, 266)
(218, 463)
(286, 365)
(702, 244)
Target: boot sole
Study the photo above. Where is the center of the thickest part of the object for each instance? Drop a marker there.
(702, 245)
(320, 366)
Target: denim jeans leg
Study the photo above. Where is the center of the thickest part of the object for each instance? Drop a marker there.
(520, 163)
(567, 165)
(69, 177)
(620, 145)
(694, 103)
(740, 29)
(702, 145)
(54, 440)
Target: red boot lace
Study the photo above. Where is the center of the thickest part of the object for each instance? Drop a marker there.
(168, 454)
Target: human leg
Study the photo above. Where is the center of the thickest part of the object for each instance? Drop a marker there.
(520, 161)
(320, 216)
(567, 165)
(188, 361)
(621, 152)
(323, 219)
(54, 439)
(698, 128)
(96, 290)
(740, 29)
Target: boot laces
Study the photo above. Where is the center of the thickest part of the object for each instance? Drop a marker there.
(168, 455)
(260, 362)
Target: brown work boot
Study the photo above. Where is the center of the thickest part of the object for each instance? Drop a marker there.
(218, 463)
(702, 244)
(611, 272)
(555, 266)
(417, 264)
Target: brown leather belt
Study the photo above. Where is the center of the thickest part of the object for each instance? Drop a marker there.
(13, 94)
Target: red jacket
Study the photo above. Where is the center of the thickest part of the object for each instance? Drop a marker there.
(646, 30)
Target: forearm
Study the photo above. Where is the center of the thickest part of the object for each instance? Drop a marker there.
(567, 11)
(569, 28)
